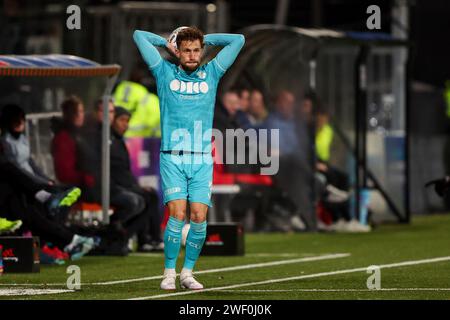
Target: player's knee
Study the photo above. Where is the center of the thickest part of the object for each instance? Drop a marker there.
(198, 216)
(177, 213)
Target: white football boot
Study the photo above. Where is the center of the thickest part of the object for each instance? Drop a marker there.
(168, 282)
(187, 281)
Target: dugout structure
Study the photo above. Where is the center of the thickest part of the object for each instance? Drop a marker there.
(362, 80)
(39, 83)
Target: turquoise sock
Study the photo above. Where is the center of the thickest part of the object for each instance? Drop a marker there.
(172, 242)
(194, 243)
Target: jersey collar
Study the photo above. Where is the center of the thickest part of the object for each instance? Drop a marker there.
(180, 69)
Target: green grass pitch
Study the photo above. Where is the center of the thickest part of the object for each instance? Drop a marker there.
(279, 272)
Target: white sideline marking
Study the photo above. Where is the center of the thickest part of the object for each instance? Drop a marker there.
(242, 267)
(32, 284)
(314, 275)
(340, 290)
(248, 255)
(283, 255)
(31, 292)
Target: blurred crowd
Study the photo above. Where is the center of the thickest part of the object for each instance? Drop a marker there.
(31, 203)
(306, 193)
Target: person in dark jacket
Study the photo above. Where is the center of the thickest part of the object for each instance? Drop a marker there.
(129, 217)
(228, 116)
(90, 151)
(34, 201)
(149, 237)
(15, 150)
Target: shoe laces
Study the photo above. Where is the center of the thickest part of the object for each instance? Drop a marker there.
(188, 275)
(170, 275)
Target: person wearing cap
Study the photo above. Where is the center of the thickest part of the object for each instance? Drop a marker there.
(123, 180)
(129, 217)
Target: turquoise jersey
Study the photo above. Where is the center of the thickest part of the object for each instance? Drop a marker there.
(187, 100)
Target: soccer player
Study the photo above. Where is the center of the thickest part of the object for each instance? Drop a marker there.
(187, 94)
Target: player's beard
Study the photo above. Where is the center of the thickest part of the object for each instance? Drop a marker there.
(190, 67)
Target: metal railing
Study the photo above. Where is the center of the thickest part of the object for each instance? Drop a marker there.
(113, 26)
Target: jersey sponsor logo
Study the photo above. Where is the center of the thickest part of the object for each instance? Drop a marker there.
(188, 87)
(201, 74)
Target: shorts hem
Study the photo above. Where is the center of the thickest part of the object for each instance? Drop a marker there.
(208, 203)
(174, 198)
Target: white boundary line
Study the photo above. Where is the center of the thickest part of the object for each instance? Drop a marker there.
(341, 290)
(234, 268)
(250, 255)
(279, 255)
(32, 284)
(314, 275)
(241, 267)
(31, 292)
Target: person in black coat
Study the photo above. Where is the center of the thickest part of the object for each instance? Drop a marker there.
(125, 188)
(130, 215)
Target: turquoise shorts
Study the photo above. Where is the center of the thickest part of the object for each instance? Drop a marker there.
(186, 176)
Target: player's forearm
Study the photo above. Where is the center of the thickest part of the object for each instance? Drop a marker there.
(146, 42)
(224, 39)
(232, 43)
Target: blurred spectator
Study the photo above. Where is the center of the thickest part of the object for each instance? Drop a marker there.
(34, 201)
(295, 174)
(16, 150)
(225, 117)
(67, 143)
(335, 199)
(129, 93)
(17, 203)
(324, 135)
(230, 115)
(129, 216)
(15, 144)
(149, 237)
(55, 203)
(142, 105)
(241, 115)
(244, 99)
(257, 108)
(323, 140)
(90, 156)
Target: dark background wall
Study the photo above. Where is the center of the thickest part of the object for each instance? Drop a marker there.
(429, 25)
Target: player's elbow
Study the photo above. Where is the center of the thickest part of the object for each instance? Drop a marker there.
(241, 39)
(137, 34)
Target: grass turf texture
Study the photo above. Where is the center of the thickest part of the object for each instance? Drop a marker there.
(425, 238)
